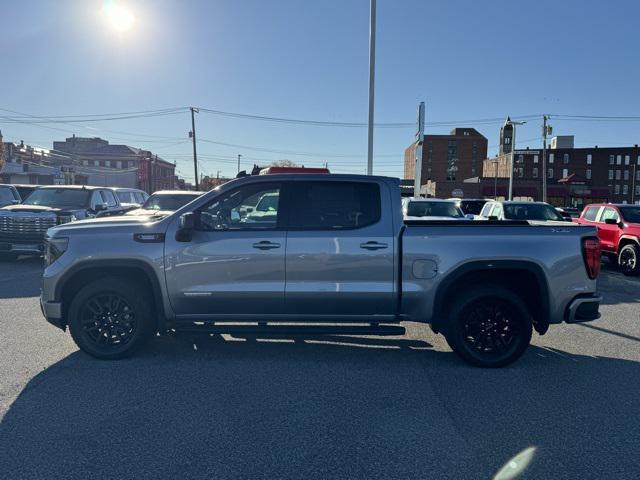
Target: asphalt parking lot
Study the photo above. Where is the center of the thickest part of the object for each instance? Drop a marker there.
(339, 407)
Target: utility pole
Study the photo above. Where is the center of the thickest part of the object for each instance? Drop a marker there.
(495, 182)
(633, 185)
(545, 130)
(193, 140)
(239, 157)
(372, 71)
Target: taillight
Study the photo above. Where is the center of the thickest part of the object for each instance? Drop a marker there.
(591, 255)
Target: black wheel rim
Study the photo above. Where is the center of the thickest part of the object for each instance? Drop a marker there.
(491, 327)
(627, 259)
(108, 320)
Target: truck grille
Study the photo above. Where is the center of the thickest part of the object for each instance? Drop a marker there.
(25, 227)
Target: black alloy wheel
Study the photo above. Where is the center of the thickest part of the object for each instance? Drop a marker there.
(628, 260)
(108, 320)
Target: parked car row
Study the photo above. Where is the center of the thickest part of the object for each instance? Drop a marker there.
(24, 221)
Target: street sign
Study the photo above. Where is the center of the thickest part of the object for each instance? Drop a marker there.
(458, 193)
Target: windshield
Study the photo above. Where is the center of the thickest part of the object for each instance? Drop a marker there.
(59, 198)
(6, 196)
(433, 209)
(630, 214)
(531, 211)
(473, 207)
(167, 201)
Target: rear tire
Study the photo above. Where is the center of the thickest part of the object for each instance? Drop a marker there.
(489, 326)
(111, 318)
(628, 260)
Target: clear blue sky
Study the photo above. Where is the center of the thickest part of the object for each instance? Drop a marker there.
(309, 60)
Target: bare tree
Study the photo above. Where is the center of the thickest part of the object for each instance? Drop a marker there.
(284, 163)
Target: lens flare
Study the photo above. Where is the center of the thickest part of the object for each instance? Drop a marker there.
(119, 17)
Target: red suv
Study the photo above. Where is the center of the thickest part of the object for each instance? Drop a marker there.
(619, 233)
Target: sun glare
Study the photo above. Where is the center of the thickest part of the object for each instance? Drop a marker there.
(120, 18)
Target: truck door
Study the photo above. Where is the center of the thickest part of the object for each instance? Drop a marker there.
(234, 263)
(609, 234)
(340, 248)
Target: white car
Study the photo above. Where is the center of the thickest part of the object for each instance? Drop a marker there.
(165, 202)
(418, 208)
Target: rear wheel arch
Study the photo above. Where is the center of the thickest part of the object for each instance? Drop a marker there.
(524, 279)
(86, 272)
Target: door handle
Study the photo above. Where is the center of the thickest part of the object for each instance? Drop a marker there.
(266, 245)
(371, 245)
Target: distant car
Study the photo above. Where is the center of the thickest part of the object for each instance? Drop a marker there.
(23, 227)
(568, 213)
(265, 210)
(619, 233)
(25, 190)
(165, 202)
(9, 195)
(535, 212)
(131, 198)
(470, 206)
(431, 209)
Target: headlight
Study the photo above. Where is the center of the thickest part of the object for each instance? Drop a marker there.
(54, 248)
(66, 218)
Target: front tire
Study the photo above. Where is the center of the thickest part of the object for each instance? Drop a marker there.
(628, 260)
(111, 318)
(489, 326)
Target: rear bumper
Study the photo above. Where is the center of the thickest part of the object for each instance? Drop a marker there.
(583, 309)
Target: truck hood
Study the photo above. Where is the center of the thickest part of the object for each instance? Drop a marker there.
(123, 223)
(149, 212)
(81, 212)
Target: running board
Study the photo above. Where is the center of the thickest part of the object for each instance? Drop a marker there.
(275, 330)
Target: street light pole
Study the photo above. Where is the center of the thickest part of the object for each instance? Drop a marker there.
(513, 150)
(372, 68)
(239, 157)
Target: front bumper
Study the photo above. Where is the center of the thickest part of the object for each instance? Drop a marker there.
(22, 248)
(52, 312)
(583, 309)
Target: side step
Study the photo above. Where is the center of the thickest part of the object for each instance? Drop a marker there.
(275, 330)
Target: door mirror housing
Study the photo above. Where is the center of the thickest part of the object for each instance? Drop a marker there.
(101, 207)
(470, 216)
(187, 224)
(611, 221)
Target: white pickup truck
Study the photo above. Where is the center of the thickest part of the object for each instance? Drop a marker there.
(333, 255)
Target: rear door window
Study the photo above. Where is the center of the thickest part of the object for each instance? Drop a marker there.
(333, 205)
(485, 212)
(109, 198)
(609, 213)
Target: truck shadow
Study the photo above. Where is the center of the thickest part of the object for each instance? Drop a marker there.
(321, 407)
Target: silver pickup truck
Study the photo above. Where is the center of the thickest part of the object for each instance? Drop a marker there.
(330, 254)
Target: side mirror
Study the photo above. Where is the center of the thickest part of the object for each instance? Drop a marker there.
(611, 221)
(15, 202)
(470, 216)
(186, 227)
(249, 209)
(492, 217)
(101, 207)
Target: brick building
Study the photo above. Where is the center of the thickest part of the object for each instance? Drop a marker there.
(575, 176)
(448, 160)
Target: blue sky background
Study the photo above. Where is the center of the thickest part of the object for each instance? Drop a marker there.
(309, 60)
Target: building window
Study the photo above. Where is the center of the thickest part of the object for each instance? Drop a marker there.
(638, 175)
(96, 163)
(535, 172)
(611, 159)
(638, 162)
(588, 174)
(520, 171)
(107, 163)
(617, 189)
(550, 158)
(610, 174)
(118, 163)
(535, 159)
(625, 189)
(565, 158)
(550, 173)
(85, 163)
(617, 174)
(565, 173)
(638, 190)
(626, 174)
(626, 159)
(619, 160)
(589, 159)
